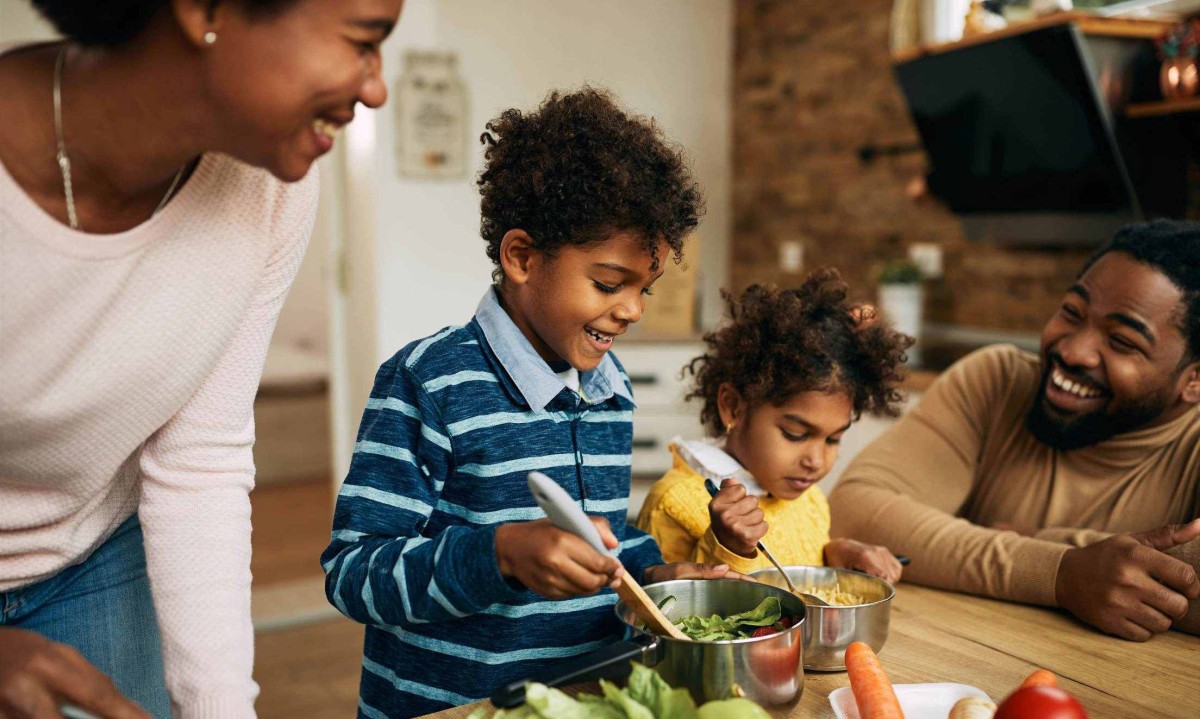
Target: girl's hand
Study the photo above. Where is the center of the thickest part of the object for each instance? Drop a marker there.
(554, 563)
(736, 519)
(690, 570)
(869, 558)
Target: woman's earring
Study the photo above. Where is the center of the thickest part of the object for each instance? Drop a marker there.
(210, 37)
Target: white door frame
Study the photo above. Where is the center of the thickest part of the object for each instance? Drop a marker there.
(348, 213)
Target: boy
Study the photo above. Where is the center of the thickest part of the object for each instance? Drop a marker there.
(438, 545)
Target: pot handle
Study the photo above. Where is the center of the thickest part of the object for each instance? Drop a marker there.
(585, 667)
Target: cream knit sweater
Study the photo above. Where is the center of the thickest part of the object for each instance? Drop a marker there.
(128, 369)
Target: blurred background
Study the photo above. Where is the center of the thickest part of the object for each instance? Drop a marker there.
(956, 160)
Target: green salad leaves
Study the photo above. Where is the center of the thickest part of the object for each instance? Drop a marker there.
(646, 696)
(736, 626)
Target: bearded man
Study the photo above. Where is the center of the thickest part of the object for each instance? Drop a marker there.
(1069, 479)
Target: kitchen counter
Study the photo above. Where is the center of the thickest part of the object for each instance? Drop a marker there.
(938, 636)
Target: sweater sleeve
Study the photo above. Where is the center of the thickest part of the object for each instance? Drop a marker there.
(197, 471)
(905, 490)
(380, 568)
(686, 506)
(638, 552)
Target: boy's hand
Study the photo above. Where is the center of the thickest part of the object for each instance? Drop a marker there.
(736, 519)
(869, 558)
(690, 570)
(1128, 585)
(554, 563)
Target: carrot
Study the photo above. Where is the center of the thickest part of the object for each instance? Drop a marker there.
(1040, 678)
(873, 692)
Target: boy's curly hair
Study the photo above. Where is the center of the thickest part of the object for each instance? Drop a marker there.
(779, 342)
(579, 169)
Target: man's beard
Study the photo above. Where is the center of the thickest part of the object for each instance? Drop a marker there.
(1091, 428)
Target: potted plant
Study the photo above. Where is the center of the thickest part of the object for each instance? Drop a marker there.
(1179, 76)
(902, 300)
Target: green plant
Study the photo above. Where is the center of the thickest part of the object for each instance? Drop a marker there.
(900, 272)
(1182, 40)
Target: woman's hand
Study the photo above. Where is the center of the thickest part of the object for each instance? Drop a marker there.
(690, 570)
(869, 558)
(554, 563)
(736, 519)
(37, 675)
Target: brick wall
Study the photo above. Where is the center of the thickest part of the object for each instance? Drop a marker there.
(812, 84)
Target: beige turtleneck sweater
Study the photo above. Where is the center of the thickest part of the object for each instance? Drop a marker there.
(962, 461)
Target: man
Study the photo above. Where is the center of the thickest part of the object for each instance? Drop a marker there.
(1071, 479)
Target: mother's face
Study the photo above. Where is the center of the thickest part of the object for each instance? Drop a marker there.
(285, 81)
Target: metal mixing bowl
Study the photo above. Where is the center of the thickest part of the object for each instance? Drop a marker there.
(829, 630)
(767, 670)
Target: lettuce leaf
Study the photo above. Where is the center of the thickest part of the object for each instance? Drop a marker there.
(718, 628)
(647, 696)
(732, 709)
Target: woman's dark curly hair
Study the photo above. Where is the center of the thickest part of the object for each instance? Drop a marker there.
(111, 23)
(580, 169)
(778, 343)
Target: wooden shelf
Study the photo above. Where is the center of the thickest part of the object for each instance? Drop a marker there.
(1164, 107)
(1141, 29)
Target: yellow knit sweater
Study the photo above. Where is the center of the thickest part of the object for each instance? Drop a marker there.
(676, 514)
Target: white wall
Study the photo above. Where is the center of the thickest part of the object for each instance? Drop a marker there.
(670, 59)
(19, 22)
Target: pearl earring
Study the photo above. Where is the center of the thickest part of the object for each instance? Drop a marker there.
(210, 37)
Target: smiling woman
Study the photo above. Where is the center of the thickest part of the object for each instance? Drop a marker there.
(161, 150)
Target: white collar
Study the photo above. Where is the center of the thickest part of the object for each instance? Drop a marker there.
(708, 459)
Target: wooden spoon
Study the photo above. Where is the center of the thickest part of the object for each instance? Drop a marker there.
(567, 516)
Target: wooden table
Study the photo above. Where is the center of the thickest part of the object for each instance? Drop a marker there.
(938, 636)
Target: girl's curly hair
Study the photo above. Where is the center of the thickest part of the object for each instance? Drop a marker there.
(778, 343)
(580, 169)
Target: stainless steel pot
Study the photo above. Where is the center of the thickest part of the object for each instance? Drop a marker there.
(829, 630)
(767, 670)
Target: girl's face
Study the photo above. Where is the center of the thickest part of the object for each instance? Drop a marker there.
(788, 447)
(284, 83)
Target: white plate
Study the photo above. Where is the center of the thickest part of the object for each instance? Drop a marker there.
(919, 701)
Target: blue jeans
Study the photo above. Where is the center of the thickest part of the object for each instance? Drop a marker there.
(102, 608)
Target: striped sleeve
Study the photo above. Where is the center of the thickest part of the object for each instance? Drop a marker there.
(379, 568)
(639, 552)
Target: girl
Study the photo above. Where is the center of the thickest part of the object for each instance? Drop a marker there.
(781, 383)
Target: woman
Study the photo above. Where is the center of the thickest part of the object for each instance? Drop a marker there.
(149, 238)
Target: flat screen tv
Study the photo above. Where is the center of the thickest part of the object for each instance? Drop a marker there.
(1020, 142)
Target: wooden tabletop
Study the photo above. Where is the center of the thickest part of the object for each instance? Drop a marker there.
(938, 636)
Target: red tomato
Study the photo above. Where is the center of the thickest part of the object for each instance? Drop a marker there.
(764, 632)
(1040, 703)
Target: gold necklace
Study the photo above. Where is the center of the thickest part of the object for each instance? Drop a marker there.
(64, 162)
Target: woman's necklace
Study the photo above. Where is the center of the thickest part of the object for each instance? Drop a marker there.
(64, 162)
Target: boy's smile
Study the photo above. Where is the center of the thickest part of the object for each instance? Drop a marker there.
(573, 304)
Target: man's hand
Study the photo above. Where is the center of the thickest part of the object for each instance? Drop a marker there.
(37, 675)
(1125, 585)
(690, 570)
(736, 519)
(554, 563)
(869, 558)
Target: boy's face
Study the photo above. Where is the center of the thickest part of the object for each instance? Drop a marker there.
(788, 447)
(571, 306)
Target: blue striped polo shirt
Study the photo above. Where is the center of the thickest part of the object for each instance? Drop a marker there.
(454, 423)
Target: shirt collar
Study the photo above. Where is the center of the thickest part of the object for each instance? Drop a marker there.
(708, 459)
(537, 383)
